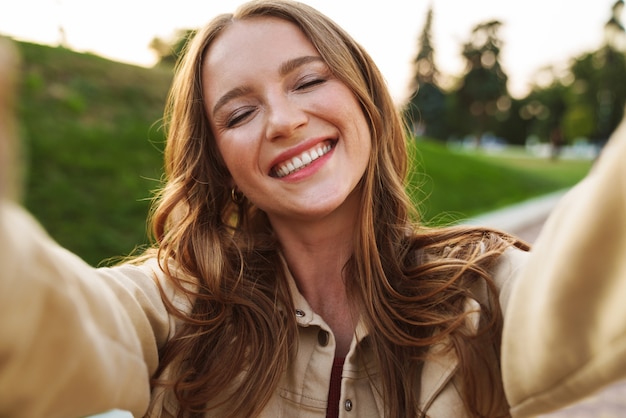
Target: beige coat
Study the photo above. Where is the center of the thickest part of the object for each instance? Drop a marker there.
(565, 326)
(76, 341)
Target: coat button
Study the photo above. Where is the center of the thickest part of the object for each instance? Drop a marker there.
(323, 338)
(348, 405)
(299, 313)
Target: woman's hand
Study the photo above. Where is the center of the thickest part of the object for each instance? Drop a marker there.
(8, 70)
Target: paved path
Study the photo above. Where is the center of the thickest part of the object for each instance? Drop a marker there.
(525, 220)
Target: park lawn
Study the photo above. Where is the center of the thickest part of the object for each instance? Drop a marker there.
(450, 186)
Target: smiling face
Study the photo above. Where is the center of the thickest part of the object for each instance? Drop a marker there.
(292, 135)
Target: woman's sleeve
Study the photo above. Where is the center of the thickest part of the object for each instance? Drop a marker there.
(74, 340)
(565, 325)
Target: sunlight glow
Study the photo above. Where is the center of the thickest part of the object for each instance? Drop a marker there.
(536, 33)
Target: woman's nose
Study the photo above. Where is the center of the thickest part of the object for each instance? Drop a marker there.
(284, 117)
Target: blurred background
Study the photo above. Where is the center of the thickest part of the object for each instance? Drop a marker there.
(504, 101)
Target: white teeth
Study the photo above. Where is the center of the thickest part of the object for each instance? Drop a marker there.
(301, 161)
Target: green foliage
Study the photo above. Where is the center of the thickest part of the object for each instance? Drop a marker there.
(90, 134)
(599, 83)
(513, 127)
(483, 86)
(169, 52)
(426, 109)
(588, 101)
(545, 109)
(578, 121)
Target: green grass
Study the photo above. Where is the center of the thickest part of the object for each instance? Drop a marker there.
(92, 143)
(450, 186)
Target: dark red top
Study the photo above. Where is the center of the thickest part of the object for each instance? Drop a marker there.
(334, 390)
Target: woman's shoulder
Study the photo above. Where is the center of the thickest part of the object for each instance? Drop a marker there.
(506, 271)
(149, 274)
(497, 255)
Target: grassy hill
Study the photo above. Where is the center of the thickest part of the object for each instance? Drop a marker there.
(92, 141)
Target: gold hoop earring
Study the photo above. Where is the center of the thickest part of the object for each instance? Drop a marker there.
(236, 196)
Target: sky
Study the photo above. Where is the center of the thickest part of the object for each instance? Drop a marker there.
(536, 33)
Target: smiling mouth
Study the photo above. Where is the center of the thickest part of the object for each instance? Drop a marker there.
(299, 162)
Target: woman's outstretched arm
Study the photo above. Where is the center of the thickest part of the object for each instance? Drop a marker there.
(74, 340)
(565, 326)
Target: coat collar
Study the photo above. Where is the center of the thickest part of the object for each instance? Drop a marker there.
(442, 361)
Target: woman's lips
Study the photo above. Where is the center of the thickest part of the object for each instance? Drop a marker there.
(302, 160)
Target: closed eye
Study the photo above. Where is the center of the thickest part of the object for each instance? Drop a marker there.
(308, 83)
(239, 116)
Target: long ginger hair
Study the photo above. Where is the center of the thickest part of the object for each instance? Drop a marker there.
(408, 282)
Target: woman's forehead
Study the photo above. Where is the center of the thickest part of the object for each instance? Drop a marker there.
(260, 34)
(254, 46)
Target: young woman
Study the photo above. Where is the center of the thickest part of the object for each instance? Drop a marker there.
(290, 275)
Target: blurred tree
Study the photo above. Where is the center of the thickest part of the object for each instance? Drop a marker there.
(514, 128)
(426, 108)
(544, 109)
(591, 104)
(482, 95)
(168, 52)
(600, 87)
(578, 121)
(614, 31)
(610, 91)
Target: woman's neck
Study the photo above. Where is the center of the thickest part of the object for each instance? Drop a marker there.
(316, 261)
(316, 254)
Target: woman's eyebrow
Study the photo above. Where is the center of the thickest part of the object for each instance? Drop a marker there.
(292, 64)
(284, 69)
(230, 95)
